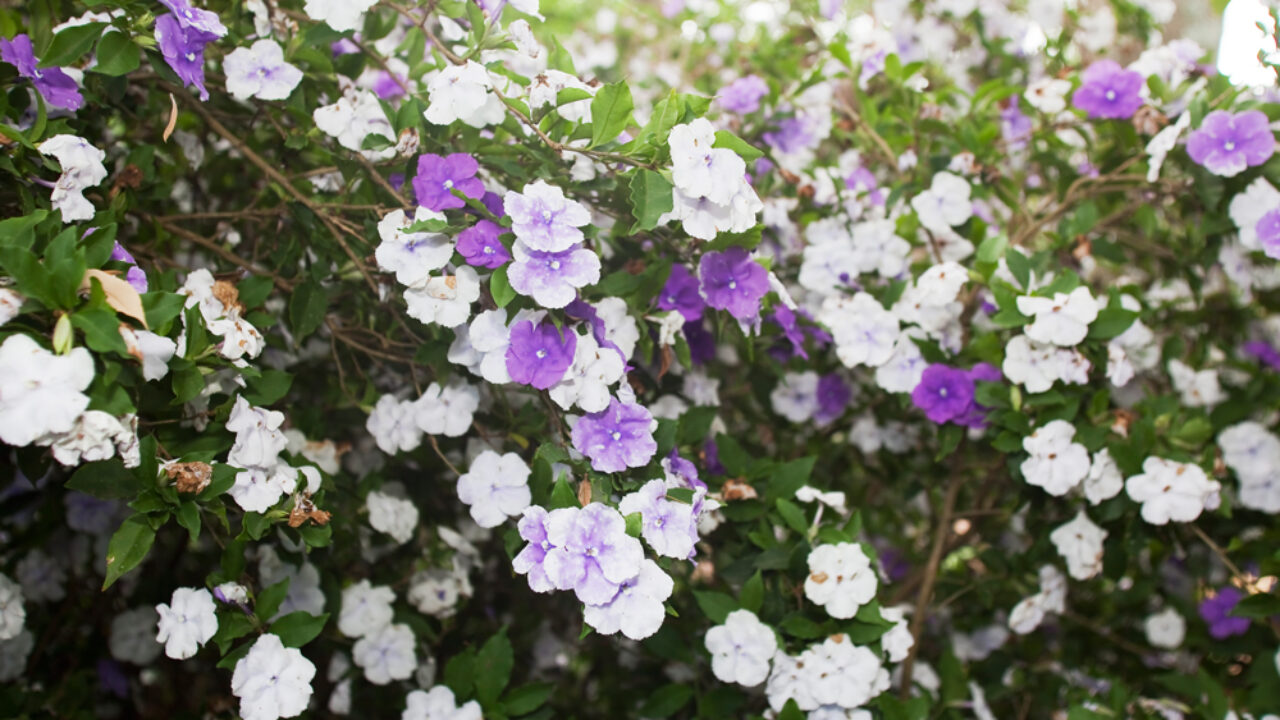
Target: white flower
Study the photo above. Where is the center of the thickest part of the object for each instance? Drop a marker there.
(257, 489)
(82, 169)
(95, 436)
(548, 84)
(386, 654)
(637, 610)
(152, 350)
(461, 92)
(438, 704)
(490, 336)
(393, 516)
(258, 438)
(1198, 388)
(841, 673)
(41, 577)
(133, 636)
(40, 393)
(411, 256)
(840, 579)
(12, 613)
(619, 327)
(436, 591)
(1062, 320)
(341, 15)
(834, 499)
(1048, 95)
(1119, 369)
(272, 681)
(898, 641)
(365, 609)
(864, 332)
(11, 304)
(741, 649)
(1056, 464)
(1248, 207)
(1038, 366)
(698, 169)
(1162, 144)
(1104, 480)
(13, 655)
(878, 248)
(904, 368)
(1079, 542)
(1171, 490)
(941, 283)
(1165, 629)
(1253, 453)
(447, 410)
(187, 622)
(945, 204)
(260, 71)
(587, 381)
(495, 487)
(393, 425)
(1030, 612)
(444, 299)
(355, 116)
(304, 594)
(796, 396)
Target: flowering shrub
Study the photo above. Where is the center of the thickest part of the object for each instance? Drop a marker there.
(705, 360)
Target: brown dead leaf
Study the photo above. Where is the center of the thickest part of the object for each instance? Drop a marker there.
(190, 477)
(667, 356)
(737, 489)
(173, 118)
(584, 493)
(120, 294)
(228, 295)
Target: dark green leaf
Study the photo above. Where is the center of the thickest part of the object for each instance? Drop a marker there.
(117, 55)
(610, 112)
(307, 309)
(715, 605)
(651, 197)
(666, 701)
(108, 480)
(299, 628)
(493, 668)
(500, 288)
(128, 548)
(72, 43)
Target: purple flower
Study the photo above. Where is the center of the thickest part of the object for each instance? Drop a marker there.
(552, 278)
(784, 318)
(743, 95)
(1227, 144)
(793, 134)
(539, 355)
(976, 416)
(1216, 612)
(205, 21)
(390, 87)
(862, 180)
(944, 393)
(480, 247)
(711, 457)
(136, 278)
(580, 309)
(1268, 229)
(112, 678)
(670, 527)
(616, 438)
(544, 219)
(1014, 126)
(183, 49)
(872, 66)
(1108, 91)
(119, 253)
(833, 397)
(1266, 354)
(702, 344)
(58, 88)
(681, 294)
(681, 472)
(533, 530)
(344, 47)
(591, 552)
(492, 202)
(439, 176)
(732, 281)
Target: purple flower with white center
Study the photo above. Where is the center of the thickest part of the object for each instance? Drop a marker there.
(834, 395)
(732, 281)
(544, 219)
(681, 294)
(1268, 229)
(616, 438)
(552, 279)
(538, 355)
(205, 21)
(944, 393)
(591, 552)
(1226, 144)
(743, 95)
(1109, 91)
(529, 562)
(55, 86)
(1216, 612)
(480, 247)
(438, 177)
(1265, 353)
(670, 527)
(183, 50)
(637, 609)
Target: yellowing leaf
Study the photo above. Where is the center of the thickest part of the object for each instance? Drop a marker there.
(120, 294)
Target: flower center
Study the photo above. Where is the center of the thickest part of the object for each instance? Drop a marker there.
(546, 215)
(541, 354)
(488, 250)
(1111, 94)
(615, 435)
(555, 264)
(448, 184)
(942, 392)
(733, 284)
(1229, 145)
(191, 57)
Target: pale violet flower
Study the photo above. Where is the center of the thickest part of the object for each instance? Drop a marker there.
(1170, 490)
(544, 219)
(393, 425)
(40, 393)
(945, 204)
(495, 488)
(272, 681)
(82, 169)
(552, 279)
(365, 609)
(796, 396)
(412, 256)
(669, 526)
(586, 550)
(260, 71)
(444, 299)
(1061, 320)
(637, 609)
(447, 410)
(438, 703)
(1056, 463)
(864, 332)
(187, 622)
(386, 654)
(741, 649)
(341, 15)
(392, 515)
(1253, 453)
(355, 116)
(1079, 542)
(462, 92)
(257, 489)
(840, 579)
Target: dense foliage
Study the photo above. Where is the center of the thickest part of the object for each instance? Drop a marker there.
(905, 359)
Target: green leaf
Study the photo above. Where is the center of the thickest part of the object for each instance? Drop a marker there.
(232, 624)
(493, 668)
(101, 330)
(500, 288)
(107, 480)
(459, 673)
(117, 55)
(681, 495)
(651, 197)
(1112, 321)
(268, 601)
(1019, 266)
(610, 112)
(726, 139)
(161, 308)
(991, 248)
(790, 477)
(715, 605)
(128, 547)
(526, 698)
(635, 524)
(307, 308)
(299, 628)
(752, 595)
(666, 701)
(562, 495)
(188, 516)
(792, 515)
(270, 387)
(791, 711)
(800, 626)
(70, 44)
(1259, 606)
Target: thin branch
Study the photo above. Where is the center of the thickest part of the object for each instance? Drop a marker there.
(926, 586)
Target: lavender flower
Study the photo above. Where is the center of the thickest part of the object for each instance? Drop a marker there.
(976, 416)
(438, 176)
(205, 21)
(1015, 127)
(681, 472)
(539, 355)
(681, 294)
(480, 247)
(702, 344)
(1265, 353)
(944, 393)
(1227, 144)
(1108, 91)
(552, 278)
(1268, 229)
(183, 48)
(834, 395)
(591, 552)
(670, 527)
(786, 319)
(743, 95)
(732, 281)
(533, 529)
(1216, 612)
(58, 88)
(544, 219)
(792, 134)
(618, 437)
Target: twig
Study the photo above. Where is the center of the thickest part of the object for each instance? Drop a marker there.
(926, 585)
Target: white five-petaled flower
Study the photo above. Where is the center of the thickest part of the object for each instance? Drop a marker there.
(1056, 464)
(187, 622)
(386, 654)
(1165, 629)
(447, 410)
(1253, 453)
(1198, 388)
(700, 170)
(841, 579)
(341, 15)
(1104, 480)
(355, 116)
(495, 487)
(1037, 366)
(945, 204)
(365, 609)
(272, 681)
(1080, 543)
(260, 71)
(864, 332)
(1061, 320)
(1170, 490)
(412, 256)
(40, 393)
(82, 168)
(444, 299)
(462, 92)
(741, 649)
(586, 383)
(392, 515)
(394, 426)
(438, 703)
